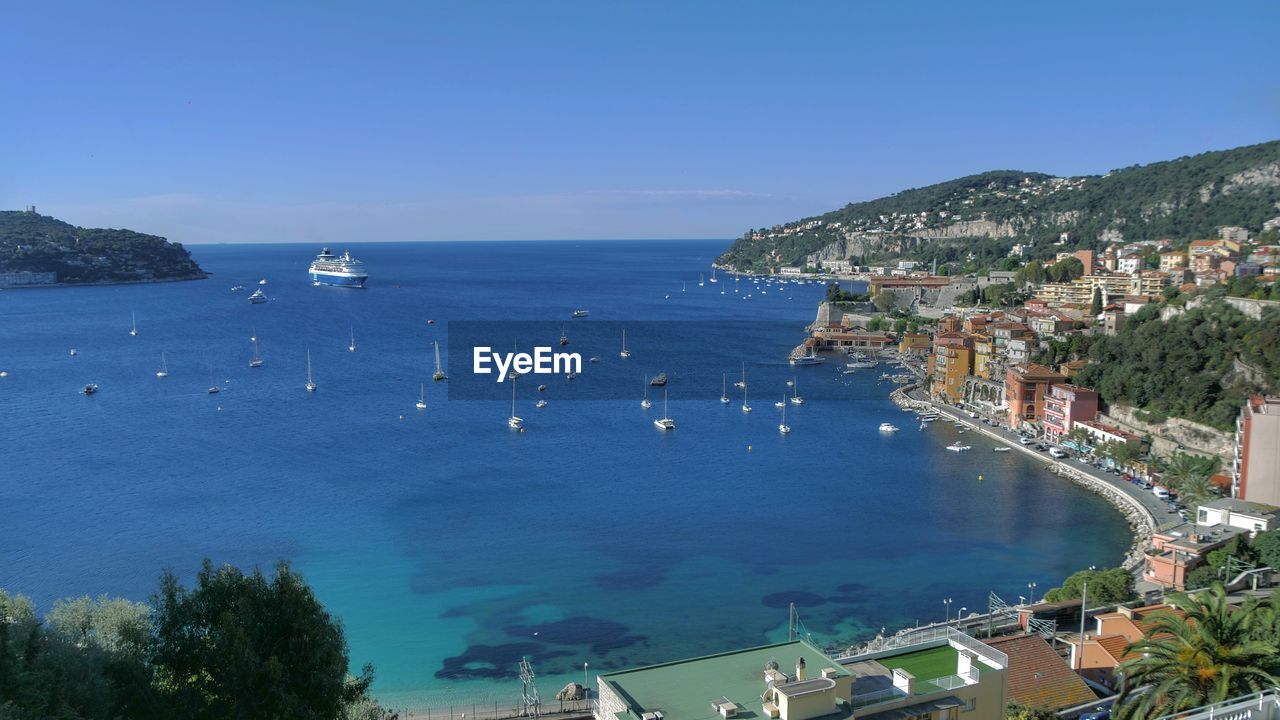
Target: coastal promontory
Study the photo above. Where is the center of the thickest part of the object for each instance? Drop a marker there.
(38, 250)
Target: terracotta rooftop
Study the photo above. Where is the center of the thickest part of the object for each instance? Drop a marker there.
(1038, 676)
(1114, 645)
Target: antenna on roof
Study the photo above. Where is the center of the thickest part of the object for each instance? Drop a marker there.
(530, 705)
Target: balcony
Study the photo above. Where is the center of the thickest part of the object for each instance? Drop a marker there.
(1264, 705)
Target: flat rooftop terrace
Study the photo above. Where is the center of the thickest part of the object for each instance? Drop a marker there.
(686, 689)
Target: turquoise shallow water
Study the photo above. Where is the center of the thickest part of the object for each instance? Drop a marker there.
(450, 546)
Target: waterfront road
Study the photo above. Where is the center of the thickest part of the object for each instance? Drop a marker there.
(1165, 516)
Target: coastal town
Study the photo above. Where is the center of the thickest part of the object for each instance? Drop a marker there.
(1202, 501)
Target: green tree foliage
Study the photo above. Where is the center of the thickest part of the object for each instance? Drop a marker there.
(1189, 476)
(1212, 654)
(1018, 711)
(1095, 305)
(240, 645)
(885, 301)
(234, 646)
(1113, 585)
(1184, 367)
(837, 294)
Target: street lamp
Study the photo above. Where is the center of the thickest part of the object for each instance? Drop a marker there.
(1022, 600)
(586, 687)
(1031, 586)
(947, 604)
(961, 613)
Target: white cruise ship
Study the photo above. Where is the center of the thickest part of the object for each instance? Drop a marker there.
(343, 271)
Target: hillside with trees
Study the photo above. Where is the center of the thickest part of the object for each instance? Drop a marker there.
(977, 219)
(1185, 366)
(38, 243)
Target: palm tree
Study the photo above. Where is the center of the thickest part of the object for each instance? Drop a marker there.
(1208, 656)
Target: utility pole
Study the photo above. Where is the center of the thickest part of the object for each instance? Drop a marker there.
(1084, 608)
(791, 623)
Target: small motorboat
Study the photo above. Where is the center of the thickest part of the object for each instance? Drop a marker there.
(90, 389)
(540, 404)
(957, 447)
(659, 380)
(886, 427)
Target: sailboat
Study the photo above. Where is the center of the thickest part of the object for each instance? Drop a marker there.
(564, 339)
(724, 388)
(745, 407)
(701, 280)
(311, 384)
(683, 287)
(645, 402)
(514, 422)
(713, 275)
(795, 393)
(163, 372)
(438, 375)
(625, 352)
(782, 403)
(253, 337)
(352, 346)
(783, 427)
(665, 422)
(256, 361)
(213, 387)
(134, 330)
(422, 396)
(743, 382)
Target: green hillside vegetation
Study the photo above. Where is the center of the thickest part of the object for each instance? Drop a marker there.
(1184, 367)
(1182, 199)
(39, 243)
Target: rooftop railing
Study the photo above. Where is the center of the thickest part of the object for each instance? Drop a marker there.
(1263, 705)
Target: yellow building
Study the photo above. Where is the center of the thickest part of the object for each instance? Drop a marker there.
(983, 351)
(952, 362)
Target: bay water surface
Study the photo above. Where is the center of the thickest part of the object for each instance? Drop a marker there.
(450, 546)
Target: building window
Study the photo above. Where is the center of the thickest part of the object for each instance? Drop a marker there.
(970, 705)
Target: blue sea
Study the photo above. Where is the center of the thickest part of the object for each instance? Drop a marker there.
(450, 546)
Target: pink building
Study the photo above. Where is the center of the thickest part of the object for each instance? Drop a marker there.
(1064, 406)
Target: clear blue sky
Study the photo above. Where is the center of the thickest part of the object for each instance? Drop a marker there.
(326, 121)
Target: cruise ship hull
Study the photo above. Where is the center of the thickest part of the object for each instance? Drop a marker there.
(354, 281)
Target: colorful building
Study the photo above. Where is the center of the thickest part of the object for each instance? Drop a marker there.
(1026, 386)
(952, 363)
(1066, 405)
(1256, 466)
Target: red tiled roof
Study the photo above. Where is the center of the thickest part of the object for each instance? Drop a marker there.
(1038, 676)
(1114, 645)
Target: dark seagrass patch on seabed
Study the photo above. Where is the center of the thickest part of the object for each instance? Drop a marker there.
(493, 662)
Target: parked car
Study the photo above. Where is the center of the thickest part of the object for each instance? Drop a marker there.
(1025, 440)
(1057, 452)
(1100, 713)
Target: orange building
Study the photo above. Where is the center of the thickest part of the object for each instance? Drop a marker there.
(1025, 387)
(952, 363)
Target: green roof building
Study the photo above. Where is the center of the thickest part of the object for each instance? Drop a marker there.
(939, 674)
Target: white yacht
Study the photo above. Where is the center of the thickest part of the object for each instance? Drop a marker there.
(957, 447)
(438, 375)
(352, 346)
(743, 382)
(311, 384)
(888, 427)
(256, 361)
(781, 403)
(724, 388)
(665, 422)
(213, 387)
(746, 408)
(540, 404)
(625, 352)
(422, 397)
(645, 402)
(163, 372)
(783, 427)
(795, 393)
(134, 329)
(514, 422)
